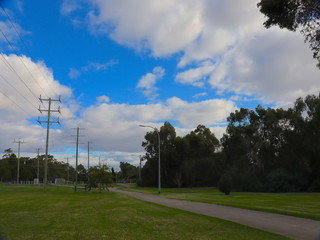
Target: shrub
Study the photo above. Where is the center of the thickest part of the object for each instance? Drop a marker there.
(225, 184)
(281, 180)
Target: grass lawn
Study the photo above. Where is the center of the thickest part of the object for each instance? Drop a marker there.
(27, 212)
(305, 205)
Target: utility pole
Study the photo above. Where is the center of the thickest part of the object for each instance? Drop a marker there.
(88, 155)
(38, 169)
(100, 175)
(77, 151)
(48, 121)
(140, 168)
(18, 170)
(67, 169)
(77, 145)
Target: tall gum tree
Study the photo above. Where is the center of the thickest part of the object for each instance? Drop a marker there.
(293, 15)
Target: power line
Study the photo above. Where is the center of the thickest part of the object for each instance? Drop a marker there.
(16, 104)
(15, 72)
(22, 61)
(17, 91)
(25, 45)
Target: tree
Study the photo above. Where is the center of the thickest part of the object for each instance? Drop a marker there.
(99, 177)
(8, 153)
(128, 172)
(293, 15)
(185, 161)
(82, 173)
(225, 184)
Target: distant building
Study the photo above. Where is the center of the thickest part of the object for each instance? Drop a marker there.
(59, 181)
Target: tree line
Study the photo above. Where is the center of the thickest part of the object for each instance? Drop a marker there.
(266, 149)
(28, 168)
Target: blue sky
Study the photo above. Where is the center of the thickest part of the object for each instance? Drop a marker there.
(118, 64)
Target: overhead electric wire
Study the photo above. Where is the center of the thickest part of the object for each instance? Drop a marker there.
(25, 46)
(22, 61)
(48, 82)
(2, 77)
(15, 72)
(17, 104)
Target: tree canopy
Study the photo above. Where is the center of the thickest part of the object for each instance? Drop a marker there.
(293, 15)
(264, 149)
(99, 176)
(185, 161)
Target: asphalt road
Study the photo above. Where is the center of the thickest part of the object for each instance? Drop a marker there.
(293, 227)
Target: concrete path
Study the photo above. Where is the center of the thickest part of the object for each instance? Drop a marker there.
(293, 227)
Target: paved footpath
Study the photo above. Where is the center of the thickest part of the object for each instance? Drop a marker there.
(293, 227)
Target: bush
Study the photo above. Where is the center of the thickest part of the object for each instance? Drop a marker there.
(315, 186)
(281, 180)
(225, 184)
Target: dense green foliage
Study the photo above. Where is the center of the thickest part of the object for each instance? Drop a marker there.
(29, 168)
(185, 161)
(225, 184)
(27, 212)
(99, 177)
(128, 172)
(274, 150)
(295, 14)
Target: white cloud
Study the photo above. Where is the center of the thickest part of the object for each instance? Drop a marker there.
(112, 128)
(271, 65)
(148, 82)
(196, 77)
(91, 67)
(105, 99)
(95, 66)
(73, 73)
(274, 66)
(10, 33)
(14, 121)
(69, 6)
(27, 82)
(20, 6)
(116, 126)
(177, 23)
(202, 94)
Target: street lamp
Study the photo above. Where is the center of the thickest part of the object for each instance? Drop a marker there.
(159, 172)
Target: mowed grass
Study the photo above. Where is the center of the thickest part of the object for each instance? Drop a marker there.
(27, 212)
(306, 205)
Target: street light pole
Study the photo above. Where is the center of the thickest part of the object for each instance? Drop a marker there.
(159, 166)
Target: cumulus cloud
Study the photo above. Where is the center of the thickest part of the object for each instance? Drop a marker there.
(179, 20)
(91, 67)
(274, 66)
(148, 82)
(19, 92)
(8, 33)
(73, 73)
(240, 55)
(197, 76)
(202, 94)
(69, 6)
(104, 98)
(28, 81)
(116, 126)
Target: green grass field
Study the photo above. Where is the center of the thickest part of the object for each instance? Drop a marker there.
(27, 212)
(305, 205)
